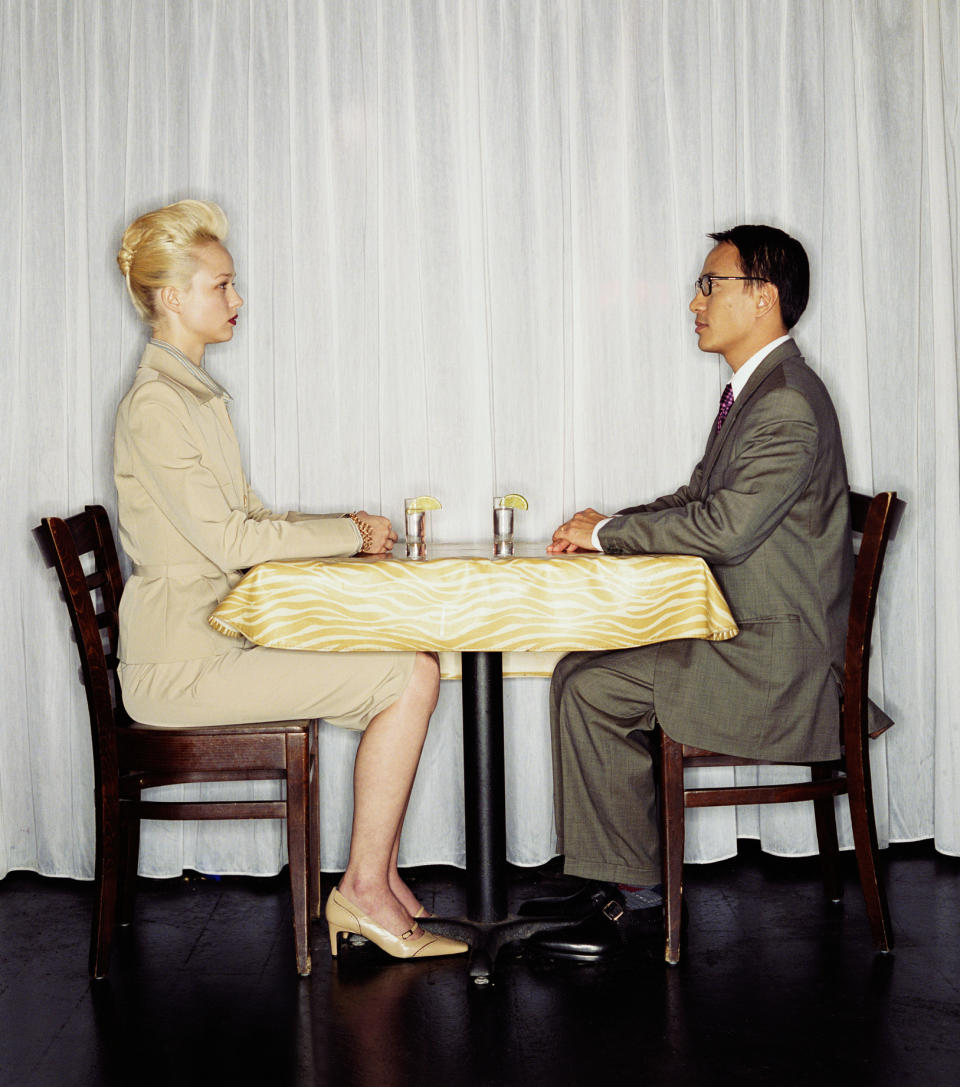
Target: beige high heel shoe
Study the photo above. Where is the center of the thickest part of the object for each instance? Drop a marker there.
(344, 918)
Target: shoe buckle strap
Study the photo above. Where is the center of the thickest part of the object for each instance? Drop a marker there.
(613, 911)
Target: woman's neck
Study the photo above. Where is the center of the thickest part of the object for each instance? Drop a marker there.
(185, 345)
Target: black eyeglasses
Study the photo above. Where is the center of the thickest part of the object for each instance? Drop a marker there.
(705, 283)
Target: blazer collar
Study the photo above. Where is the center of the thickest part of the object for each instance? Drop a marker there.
(184, 373)
(778, 355)
(776, 358)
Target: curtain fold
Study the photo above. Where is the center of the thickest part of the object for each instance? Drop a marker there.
(466, 235)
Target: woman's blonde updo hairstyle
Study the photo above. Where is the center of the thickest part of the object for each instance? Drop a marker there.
(159, 249)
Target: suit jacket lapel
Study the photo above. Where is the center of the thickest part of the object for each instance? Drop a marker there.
(716, 441)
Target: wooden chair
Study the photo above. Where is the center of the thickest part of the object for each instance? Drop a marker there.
(130, 757)
(873, 518)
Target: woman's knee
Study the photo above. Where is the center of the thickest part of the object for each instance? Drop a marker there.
(425, 678)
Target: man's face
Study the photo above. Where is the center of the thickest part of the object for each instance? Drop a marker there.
(726, 320)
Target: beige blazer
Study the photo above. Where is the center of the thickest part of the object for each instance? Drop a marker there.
(188, 519)
(768, 508)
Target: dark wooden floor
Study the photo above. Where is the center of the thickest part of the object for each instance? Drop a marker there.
(774, 988)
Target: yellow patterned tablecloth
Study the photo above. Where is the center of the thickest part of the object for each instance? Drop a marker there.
(531, 607)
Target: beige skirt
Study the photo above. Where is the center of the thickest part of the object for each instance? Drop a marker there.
(262, 684)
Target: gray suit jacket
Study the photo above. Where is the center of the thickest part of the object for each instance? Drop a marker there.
(768, 509)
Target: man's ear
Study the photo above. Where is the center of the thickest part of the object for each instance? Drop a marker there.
(768, 298)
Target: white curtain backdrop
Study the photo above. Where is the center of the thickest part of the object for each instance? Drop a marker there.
(466, 232)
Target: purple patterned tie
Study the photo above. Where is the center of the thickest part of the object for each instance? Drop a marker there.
(726, 403)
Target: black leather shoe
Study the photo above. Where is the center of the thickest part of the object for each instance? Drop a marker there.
(601, 937)
(590, 899)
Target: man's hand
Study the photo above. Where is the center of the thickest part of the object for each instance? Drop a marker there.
(577, 533)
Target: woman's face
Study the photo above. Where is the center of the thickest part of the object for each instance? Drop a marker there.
(207, 311)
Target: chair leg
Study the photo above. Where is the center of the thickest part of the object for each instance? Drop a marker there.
(672, 818)
(298, 840)
(129, 844)
(826, 819)
(106, 882)
(316, 906)
(863, 821)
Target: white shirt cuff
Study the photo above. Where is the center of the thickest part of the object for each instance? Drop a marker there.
(596, 532)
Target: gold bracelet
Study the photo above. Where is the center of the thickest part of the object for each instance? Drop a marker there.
(366, 534)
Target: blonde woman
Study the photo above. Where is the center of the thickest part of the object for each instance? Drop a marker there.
(190, 523)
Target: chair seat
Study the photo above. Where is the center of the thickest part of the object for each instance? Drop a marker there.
(700, 756)
(221, 730)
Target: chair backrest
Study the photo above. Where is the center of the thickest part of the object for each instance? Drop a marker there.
(873, 518)
(83, 550)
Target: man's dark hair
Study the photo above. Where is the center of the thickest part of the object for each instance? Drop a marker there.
(771, 255)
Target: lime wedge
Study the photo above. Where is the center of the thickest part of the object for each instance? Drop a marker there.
(424, 502)
(514, 502)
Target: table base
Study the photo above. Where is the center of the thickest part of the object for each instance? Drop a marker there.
(487, 926)
(487, 938)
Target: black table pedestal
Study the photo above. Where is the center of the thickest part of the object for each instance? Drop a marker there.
(487, 926)
(484, 791)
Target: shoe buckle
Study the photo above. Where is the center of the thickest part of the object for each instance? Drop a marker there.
(613, 911)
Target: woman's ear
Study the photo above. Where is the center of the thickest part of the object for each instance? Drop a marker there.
(169, 299)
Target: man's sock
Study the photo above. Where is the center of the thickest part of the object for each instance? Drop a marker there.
(641, 898)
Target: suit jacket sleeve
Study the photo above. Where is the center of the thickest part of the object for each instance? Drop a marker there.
(680, 497)
(259, 512)
(769, 466)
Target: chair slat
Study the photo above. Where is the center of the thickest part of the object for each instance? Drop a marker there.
(212, 809)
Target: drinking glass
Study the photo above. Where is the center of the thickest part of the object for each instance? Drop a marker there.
(502, 527)
(415, 529)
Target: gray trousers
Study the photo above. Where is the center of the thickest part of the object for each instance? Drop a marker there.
(604, 773)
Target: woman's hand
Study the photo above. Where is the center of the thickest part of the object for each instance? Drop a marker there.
(381, 534)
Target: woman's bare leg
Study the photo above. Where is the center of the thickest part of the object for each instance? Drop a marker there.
(405, 895)
(383, 774)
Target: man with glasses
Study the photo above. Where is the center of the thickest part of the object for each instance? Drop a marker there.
(767, 508)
